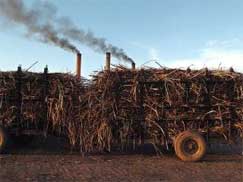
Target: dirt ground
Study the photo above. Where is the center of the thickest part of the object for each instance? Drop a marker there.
(48, 162)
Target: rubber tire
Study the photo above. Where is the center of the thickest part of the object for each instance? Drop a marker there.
(179, 148)
(4, 138)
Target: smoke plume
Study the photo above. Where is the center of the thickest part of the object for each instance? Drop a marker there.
(42, 22)
(17, 12)
(69, 30)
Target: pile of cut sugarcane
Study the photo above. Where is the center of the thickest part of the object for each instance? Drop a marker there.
(123, 107)
(127, 106)
(49, 103)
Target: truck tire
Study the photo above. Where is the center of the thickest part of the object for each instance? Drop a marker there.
(190, 146)
(3, 140)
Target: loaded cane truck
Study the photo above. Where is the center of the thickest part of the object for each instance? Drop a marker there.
(180, 109)
(14, 103)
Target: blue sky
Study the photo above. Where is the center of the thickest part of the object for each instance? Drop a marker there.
(177, 33)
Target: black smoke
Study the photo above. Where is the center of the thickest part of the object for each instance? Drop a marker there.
(32, 20)
(41, 21)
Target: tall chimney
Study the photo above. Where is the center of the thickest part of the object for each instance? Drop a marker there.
(108, 61)
(78, 65)
(133, 66)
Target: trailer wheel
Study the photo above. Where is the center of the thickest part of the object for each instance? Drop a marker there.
(190, 146)
(3, 139)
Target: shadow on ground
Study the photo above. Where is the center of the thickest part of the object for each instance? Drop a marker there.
(56, 145)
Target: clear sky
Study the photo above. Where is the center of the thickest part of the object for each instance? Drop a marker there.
(177, 33)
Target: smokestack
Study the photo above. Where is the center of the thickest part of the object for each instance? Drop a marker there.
(133, 66)
(108, 61)
(78, 65)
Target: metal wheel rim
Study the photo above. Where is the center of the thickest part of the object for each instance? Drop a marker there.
(190, 146)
